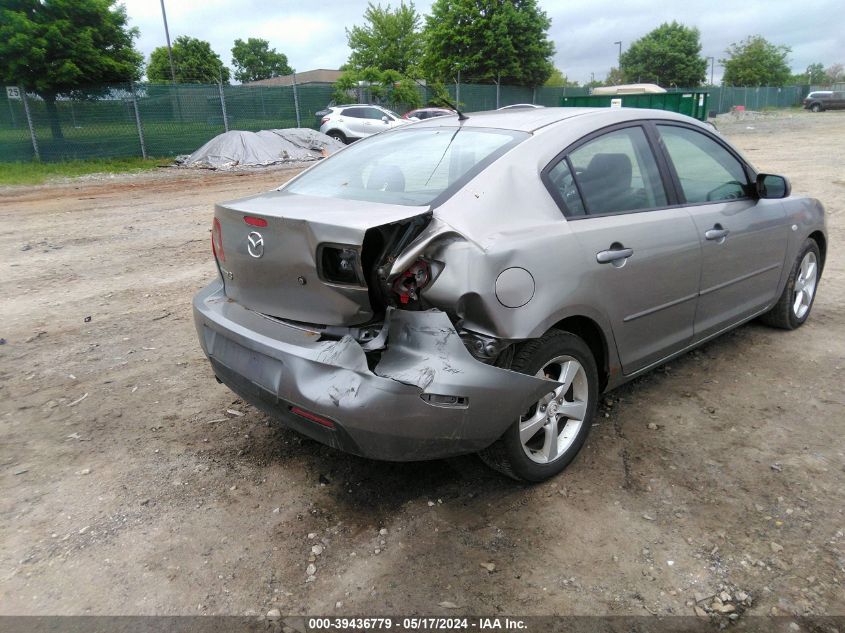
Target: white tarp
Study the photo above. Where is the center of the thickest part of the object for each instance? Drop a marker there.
(258, 149)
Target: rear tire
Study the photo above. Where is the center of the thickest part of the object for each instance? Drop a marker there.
(338, 136)
(796, 300)
(549, 435)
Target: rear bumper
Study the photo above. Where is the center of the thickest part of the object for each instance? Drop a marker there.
(379, 413)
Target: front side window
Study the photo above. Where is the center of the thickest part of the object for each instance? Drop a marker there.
(409, 167)
(706, 170)
(617, 173)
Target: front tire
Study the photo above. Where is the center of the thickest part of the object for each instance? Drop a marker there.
(796, 301)
(548, 436)
(816, 107)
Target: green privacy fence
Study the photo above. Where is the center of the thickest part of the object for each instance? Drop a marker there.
(166, 120)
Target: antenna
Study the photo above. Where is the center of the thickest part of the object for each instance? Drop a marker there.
(461, 115)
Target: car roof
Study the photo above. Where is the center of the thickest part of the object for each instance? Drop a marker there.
(359, 105)
(533, 119)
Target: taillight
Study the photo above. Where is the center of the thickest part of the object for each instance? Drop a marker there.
(324, 121)
(339, 264)
(409, 284)
(217, 241)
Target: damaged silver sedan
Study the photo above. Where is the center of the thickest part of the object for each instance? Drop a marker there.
(472, 284)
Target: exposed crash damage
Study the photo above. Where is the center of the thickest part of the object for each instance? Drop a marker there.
(425, 396)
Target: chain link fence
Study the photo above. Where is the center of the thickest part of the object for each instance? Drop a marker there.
(154, 120)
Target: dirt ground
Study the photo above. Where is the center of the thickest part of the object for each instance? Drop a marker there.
(132, 483)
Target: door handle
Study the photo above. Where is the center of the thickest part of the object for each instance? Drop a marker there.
(716, 233)
(614, 255)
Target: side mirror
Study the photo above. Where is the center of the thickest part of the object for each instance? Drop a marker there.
(773, 186)
(385, 119)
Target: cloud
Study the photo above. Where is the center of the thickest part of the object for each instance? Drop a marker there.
(313, 35)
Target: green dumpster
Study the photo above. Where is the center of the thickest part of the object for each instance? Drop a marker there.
(691, 103)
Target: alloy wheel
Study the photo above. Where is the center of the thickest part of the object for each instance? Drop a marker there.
(805, 285)
(550, 426)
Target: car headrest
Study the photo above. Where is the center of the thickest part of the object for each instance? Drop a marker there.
(613, 169)
(386, 178)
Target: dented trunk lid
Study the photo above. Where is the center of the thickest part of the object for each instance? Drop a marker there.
(272, 268)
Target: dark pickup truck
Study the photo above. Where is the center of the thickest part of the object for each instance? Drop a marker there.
(821, 100)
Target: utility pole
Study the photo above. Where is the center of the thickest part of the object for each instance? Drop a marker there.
(619, 57)
(712, 61)
(169, 48)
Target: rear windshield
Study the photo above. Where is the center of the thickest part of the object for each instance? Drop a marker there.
(407, 167)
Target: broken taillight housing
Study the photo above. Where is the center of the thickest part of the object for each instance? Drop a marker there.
(217, 241)
(340, 264)
(409, 284)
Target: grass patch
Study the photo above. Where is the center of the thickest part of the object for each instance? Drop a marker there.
(36, 173)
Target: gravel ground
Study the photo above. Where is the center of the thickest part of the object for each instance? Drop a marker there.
(132, 483)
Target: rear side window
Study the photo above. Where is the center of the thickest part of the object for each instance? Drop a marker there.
(561, 178)
(616, 173)
(706, 170)
(355, 113)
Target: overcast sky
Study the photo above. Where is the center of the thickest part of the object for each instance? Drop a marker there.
(312, 34)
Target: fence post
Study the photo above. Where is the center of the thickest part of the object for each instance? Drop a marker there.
(29, 123)
(12, 113)
(534, 96)
(223, 105)
(296, 102)
(138, 122)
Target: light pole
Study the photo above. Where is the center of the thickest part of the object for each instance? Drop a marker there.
(169, 49)
(619, 58)
(712, 65)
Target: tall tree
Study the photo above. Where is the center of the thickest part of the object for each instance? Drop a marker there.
(194, 62)
(835, 73)
(756, 62)
(390, 39)
(55, 47)
(815, 73)
(615, 77)
(386, 86)
(486, 40)
(670, 55)
(254, 60)
(559, 80)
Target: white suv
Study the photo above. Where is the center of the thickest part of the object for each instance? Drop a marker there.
(348, 123)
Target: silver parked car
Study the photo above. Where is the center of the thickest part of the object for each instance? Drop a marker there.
(473, 285)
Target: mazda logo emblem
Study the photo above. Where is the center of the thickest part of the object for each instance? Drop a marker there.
(255, 244)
